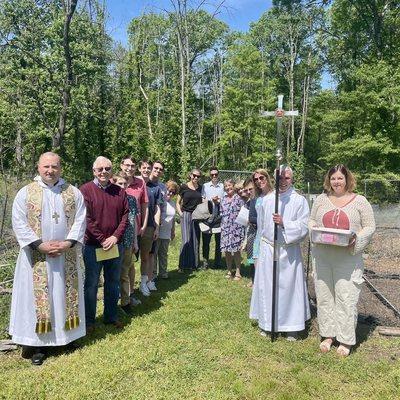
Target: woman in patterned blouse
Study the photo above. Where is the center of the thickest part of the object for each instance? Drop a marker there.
(232, 234)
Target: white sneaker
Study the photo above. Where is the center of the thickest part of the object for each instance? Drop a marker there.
(134, 302)
(144, 289)
(151, 285)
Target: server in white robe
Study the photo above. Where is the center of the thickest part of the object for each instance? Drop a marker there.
(49, 221)
(292, 306)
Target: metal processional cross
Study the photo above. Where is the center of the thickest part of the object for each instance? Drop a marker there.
(279, 113)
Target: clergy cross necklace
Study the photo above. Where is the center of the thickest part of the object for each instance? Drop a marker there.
(55, 216)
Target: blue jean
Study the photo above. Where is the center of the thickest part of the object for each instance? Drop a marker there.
(112, 271)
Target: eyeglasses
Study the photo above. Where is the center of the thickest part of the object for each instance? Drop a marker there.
(129, 165)
(101, 169)
(196, 176)
(158, 168)
(260, 178)
(213, 175)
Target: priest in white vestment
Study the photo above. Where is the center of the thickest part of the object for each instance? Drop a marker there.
(292, 306)
(49, 221)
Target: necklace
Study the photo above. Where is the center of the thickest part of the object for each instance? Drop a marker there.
(54, 214)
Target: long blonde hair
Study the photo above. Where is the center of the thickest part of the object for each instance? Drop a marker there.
(263, 172)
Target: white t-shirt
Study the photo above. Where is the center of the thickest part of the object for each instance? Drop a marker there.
(167, 220)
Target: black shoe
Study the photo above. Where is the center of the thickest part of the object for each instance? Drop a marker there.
(127, 309)
(38, 357)
(28, 351)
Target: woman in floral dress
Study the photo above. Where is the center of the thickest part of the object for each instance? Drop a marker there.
(232, 234)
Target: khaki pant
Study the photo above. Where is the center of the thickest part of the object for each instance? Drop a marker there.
(127, 280)
(146, 240)
(338, 279)
(161, 258)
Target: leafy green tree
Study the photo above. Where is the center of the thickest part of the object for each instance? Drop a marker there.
(53, 103)
(247, 139)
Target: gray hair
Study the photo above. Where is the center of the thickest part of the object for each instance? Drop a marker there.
(101, 159)
(288, 168)
(231, 181)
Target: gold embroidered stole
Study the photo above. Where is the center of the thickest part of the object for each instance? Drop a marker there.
(34, 204)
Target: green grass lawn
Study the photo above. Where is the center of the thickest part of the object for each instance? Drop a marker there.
(193, 340)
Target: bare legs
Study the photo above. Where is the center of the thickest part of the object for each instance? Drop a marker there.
(233, 260)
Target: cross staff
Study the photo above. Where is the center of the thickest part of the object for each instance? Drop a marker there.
(279, 113)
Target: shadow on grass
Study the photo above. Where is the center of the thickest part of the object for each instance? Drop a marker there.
(149, 304)
(364, 330)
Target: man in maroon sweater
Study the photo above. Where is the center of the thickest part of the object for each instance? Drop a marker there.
(106, 219)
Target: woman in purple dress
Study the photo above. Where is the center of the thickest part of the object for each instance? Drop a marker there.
(232, 234)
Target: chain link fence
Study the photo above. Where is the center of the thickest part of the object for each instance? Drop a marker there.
(381, 191)
(235, 175)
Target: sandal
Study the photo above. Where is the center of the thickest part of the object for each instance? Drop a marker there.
(343, 350)
(326, 345)
(228, 275)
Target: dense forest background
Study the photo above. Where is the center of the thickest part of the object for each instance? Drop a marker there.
(189, 90)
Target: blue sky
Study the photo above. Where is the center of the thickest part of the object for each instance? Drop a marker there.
(236, 13)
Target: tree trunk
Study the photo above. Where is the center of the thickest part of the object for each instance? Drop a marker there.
(146, 99)
(70, 7)
(300, 139)
(183, 97)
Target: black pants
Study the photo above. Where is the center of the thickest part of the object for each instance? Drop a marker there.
(206, 239)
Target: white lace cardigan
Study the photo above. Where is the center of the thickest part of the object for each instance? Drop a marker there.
(359, 212)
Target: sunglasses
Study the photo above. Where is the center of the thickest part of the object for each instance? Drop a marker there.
(171, 192)
(213, 175)
(101, 169)
(196, 176)
(261, 178)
